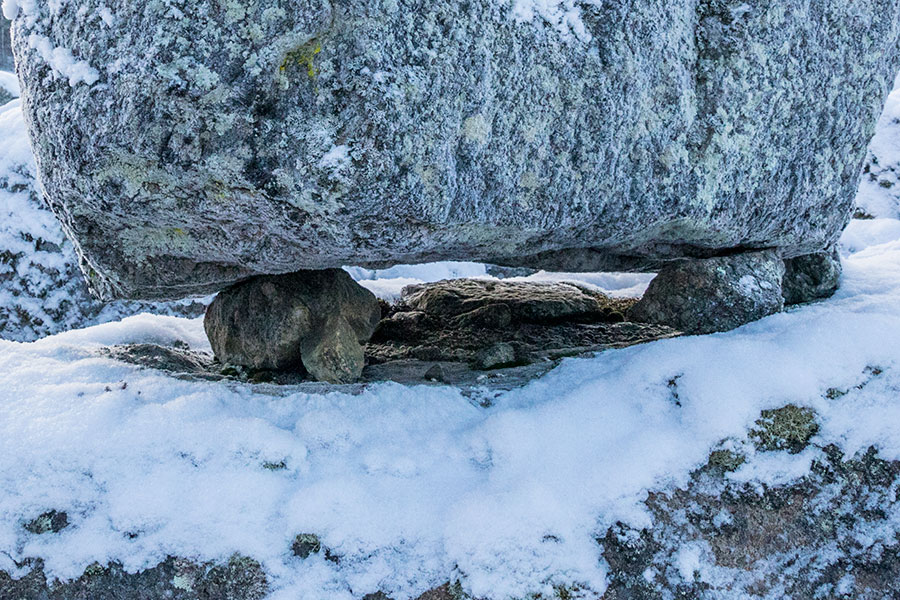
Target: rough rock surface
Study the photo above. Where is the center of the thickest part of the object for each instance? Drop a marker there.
(491, 323)
(715, 294)
(811, 277)
(6, 57)
(830, 533)
(240, 578)
(477, 301)
(42, 291)
(320, 319)
(189, 144)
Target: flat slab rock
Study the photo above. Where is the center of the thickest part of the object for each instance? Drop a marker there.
(185, 154)
(450, 332)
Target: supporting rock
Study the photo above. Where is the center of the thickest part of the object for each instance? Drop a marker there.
(716, 294)
(811, 277)
(320, 319)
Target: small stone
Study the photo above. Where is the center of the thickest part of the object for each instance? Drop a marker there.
(716, 294)
(50, 522)
(496, 356)
(333, 353)
(305, 545)
(435, 373)
(319, 320)
(811, 277)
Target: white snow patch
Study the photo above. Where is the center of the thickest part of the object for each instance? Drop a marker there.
(337, 158)
(688, 561)
(388, 284)
(410, 485)
(562, 15)
(879, 190)
(10, 9)
(63, 62)
(10, 83)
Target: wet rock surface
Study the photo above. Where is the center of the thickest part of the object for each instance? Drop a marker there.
(716, 294)
(317, 320)
(811, 277)
(274, 138)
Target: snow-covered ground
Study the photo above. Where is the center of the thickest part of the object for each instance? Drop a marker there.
(413, 486)
(879, 191)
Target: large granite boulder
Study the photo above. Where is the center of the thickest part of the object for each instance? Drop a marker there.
(187, 144)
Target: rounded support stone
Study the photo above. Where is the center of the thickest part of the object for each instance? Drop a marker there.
(812, 277)
(716, 294)
(317, 320)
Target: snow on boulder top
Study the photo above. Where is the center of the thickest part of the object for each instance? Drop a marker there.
(189, 144)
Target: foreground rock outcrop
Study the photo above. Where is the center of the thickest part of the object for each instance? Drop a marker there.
(186, 152)
(830, 532)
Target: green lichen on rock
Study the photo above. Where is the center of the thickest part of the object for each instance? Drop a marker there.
(725, 460)
(305, 545)
(52, 521)
(789, 428)
(305, 57)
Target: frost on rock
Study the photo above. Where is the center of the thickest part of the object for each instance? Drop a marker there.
(233, 139)
(42, 289)
(562, 15)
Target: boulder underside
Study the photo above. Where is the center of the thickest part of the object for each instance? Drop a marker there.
(185, 154)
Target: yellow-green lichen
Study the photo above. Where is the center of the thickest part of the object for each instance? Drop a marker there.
(304, 56)
(789, 428)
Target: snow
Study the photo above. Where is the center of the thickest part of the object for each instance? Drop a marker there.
(388, 284)
(60, 59)
(10, 83)
(879, 191)
(10, 9)
(563, 15)
(413, 486)
(63, 62)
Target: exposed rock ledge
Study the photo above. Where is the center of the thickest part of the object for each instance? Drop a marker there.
(828, 534)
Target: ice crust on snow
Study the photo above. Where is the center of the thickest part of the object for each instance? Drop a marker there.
(412, 486)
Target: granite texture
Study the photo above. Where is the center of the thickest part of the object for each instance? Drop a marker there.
(188, 144)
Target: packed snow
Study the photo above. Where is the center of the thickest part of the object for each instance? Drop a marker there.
(413, 486)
